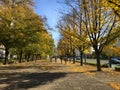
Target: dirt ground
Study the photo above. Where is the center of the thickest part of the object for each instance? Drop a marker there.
(45, 75)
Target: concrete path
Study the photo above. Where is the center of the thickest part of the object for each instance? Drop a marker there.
(44, 75)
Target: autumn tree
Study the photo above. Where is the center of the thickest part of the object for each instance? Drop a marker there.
(97, 23)
(64, 49)
(100, 25)
(7, 34)
(73, 27)
(67, 39)
(19, 25)
(46, 44)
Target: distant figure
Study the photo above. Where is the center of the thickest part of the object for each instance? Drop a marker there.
(55, 59)
(65, 59)
(50, 58)
(61, 58)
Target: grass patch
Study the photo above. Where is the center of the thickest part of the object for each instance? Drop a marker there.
(117, 68)
(1, 61)
(94, 64)
(10, 61)
(91, 63)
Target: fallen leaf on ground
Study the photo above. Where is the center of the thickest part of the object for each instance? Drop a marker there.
(116, 86)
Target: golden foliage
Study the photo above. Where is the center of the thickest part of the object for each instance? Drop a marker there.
(111, 50)
(115, 85)
(114, 5)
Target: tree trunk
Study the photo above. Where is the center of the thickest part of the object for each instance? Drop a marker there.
(98, 60)
(73, 56)
(85, 57)
(40, 56)
(20, 60)
(32, 57)
(35, 56)
(28, 59)
(81, 58)
(110, 64)
(6, 56)
(25, 56)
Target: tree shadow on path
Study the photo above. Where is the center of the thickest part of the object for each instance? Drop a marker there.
(23, 81)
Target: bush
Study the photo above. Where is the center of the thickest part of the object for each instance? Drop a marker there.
(10, 61)
(105, 65)
(1, 60)
(117, 68)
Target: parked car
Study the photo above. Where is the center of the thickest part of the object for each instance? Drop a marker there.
(70, 58)
(78, 58)
(115, 60)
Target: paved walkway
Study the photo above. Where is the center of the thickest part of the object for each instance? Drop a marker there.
(75, 81)
(44, 75)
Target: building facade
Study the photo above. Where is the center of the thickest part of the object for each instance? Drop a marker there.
(2, 52)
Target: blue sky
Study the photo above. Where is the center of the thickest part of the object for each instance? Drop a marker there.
(50, 9)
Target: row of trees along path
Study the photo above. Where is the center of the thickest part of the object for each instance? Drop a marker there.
(22, 31)
(86, 24)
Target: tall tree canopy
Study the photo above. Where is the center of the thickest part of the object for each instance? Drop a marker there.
(95, 21)
(20, 27)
